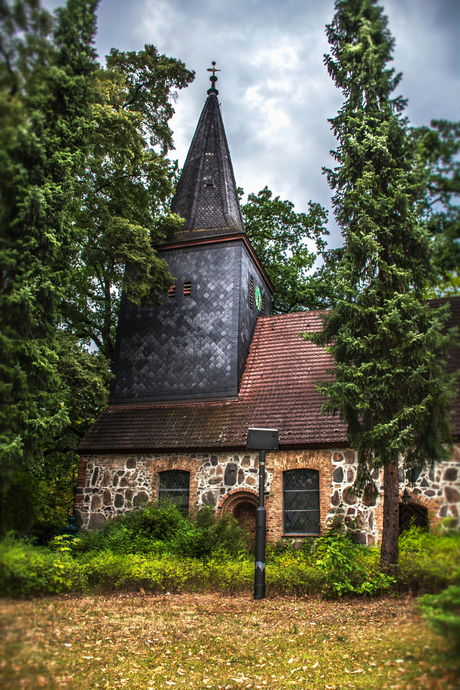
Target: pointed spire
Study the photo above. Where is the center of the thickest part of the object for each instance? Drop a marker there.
(206, 195)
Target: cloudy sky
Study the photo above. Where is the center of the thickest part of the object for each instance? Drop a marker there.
(275, 92)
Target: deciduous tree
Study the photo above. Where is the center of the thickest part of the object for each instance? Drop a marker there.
(288, 244)
(439, 147)
(123, 186)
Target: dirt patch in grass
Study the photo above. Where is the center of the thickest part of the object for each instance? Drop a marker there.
(221, 642)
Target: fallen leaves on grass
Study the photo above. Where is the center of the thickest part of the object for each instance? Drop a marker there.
(217, 642)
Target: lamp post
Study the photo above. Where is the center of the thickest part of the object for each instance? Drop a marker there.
(261, 440)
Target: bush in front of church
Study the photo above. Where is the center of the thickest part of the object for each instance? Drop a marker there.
(158, 529)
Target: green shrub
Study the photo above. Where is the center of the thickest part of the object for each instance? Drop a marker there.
(443, 613)
(428, 562)
(27, 570)
(348, 567)
(142, 531)
(205, 536)
(160, 529)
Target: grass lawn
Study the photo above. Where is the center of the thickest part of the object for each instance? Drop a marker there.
(222, 642)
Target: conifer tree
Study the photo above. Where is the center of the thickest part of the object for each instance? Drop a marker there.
(388, 383)
(45, 75)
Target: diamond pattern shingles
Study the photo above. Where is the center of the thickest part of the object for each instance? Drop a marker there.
(277, 390)
(206, 195)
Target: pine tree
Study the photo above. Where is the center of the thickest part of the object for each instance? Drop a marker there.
(45, 80)
(387, 342)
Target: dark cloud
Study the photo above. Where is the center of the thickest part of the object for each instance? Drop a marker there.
(275, 91)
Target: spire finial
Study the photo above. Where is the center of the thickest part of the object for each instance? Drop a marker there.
(213, 79)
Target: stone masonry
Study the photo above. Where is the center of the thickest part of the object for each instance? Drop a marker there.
(111, 485)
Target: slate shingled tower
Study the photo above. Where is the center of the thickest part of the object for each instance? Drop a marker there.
(194, 346)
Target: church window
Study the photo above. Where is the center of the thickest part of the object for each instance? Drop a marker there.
(208, 182)
(174, 488)
(263, 306)
(172, 292)
(251, 292)
(301, 502)
(187, 289)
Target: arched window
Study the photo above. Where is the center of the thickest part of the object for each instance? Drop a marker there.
(174, 487)
(301, 502)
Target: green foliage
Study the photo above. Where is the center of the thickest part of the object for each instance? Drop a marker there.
(44, 106)
(84, 185)
(389, 384)
(283, 239)
(443, 613)
(123, 184)
(159, 529)
(27, 570)
(205, 537)
(428, 562)
(121, 559)
(349, 568)
(439, 146)
(141, 531)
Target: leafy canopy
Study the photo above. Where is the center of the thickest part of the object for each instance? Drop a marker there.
(124, 186)
(282, 239)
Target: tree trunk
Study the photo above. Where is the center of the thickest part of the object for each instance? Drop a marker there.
(390, 532)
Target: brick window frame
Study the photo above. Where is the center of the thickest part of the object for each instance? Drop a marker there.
(301, 502)
(174, 485)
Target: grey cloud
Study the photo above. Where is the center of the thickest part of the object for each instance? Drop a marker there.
(275, 91)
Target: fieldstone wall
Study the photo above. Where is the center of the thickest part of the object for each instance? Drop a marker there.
(109, 485)
(366, 510)
(437, 489)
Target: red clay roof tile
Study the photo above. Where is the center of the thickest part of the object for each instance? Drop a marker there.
(277, 391)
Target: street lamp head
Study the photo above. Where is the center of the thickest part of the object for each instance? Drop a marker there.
(262, 439)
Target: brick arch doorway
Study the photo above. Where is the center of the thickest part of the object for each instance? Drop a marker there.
(242, 505)
(412, 513)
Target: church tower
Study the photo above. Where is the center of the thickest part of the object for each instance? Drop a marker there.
(194, 346)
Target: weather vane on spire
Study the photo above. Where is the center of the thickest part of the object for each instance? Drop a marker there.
(213, 79)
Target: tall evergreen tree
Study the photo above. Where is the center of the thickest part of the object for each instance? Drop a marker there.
(45, 78)
(388, 383)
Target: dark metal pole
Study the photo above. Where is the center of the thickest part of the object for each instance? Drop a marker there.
(259, 576)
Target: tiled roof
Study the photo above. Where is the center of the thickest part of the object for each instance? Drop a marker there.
(206, 194)
(277, 391)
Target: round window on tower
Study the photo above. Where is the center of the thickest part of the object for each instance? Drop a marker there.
(258, 297)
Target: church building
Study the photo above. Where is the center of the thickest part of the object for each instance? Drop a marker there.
(192, 375)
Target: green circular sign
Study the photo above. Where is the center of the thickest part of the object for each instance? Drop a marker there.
(258, 299)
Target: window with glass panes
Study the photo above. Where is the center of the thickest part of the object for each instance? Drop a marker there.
(174, 487)
(301, 502)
